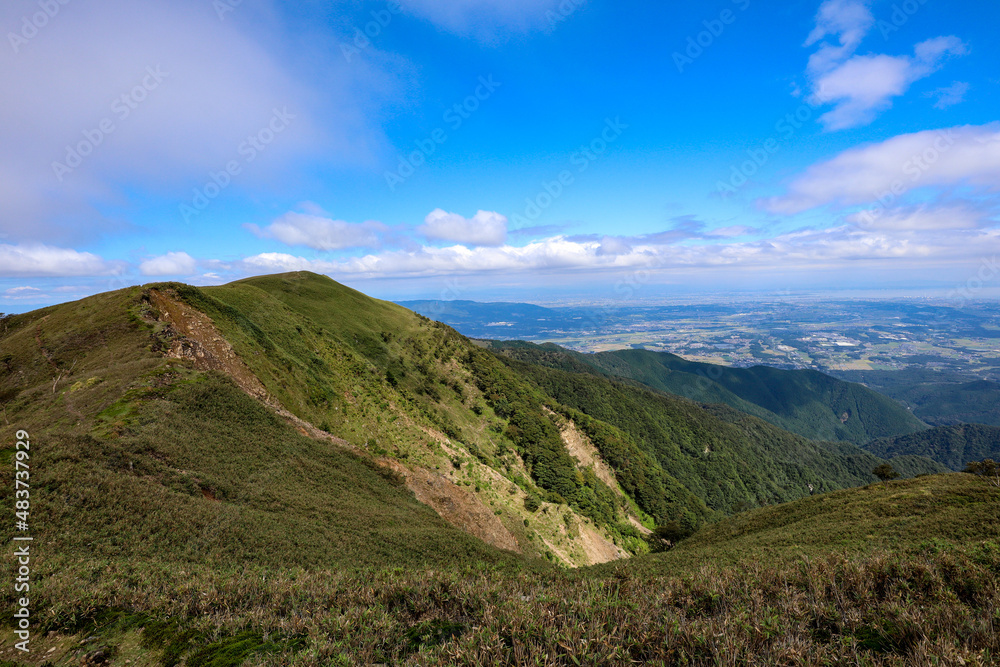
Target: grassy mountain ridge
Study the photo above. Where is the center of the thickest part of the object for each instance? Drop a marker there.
(396, 384)
(806, 402)
(140, 456)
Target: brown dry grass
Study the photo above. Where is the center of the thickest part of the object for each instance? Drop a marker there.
(933, 605)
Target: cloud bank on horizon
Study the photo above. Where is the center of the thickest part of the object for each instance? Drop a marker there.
(207, 141)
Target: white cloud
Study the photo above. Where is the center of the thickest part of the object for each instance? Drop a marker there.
(923, 218)
(864, 86)
(847, 20)
(906, 238)
(967, 155)
(555, 253)
(861, 87)
(218, 83)
(321, 232)
(612, 246)
(26, 260)
(950, 95)
(486, 228)
(278, 262)
(28, 294)
(171, 264)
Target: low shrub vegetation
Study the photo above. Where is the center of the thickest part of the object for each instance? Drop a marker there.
(937, 603)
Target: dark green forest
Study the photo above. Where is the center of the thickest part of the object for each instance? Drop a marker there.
(805, 402)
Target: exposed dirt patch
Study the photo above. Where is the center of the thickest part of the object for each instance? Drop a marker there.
(597, 547)
(459, 507)
(580, 448)
(638, 526)
(435, 435)
(196, 338)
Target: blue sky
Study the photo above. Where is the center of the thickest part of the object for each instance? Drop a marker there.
(487, 149)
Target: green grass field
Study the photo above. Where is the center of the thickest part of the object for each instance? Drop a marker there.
(775, 586)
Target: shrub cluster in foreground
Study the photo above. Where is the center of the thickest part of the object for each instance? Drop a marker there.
(936, 604)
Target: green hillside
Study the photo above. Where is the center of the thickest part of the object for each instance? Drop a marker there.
(284, 471)
(946, 403)
(938, 397)
(138, 456)
(396, 384)
(732, 461)
(806, 402)
(952, 508)
(953, 446)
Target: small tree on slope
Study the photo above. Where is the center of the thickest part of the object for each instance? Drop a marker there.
(885, 472)
(988, 468)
